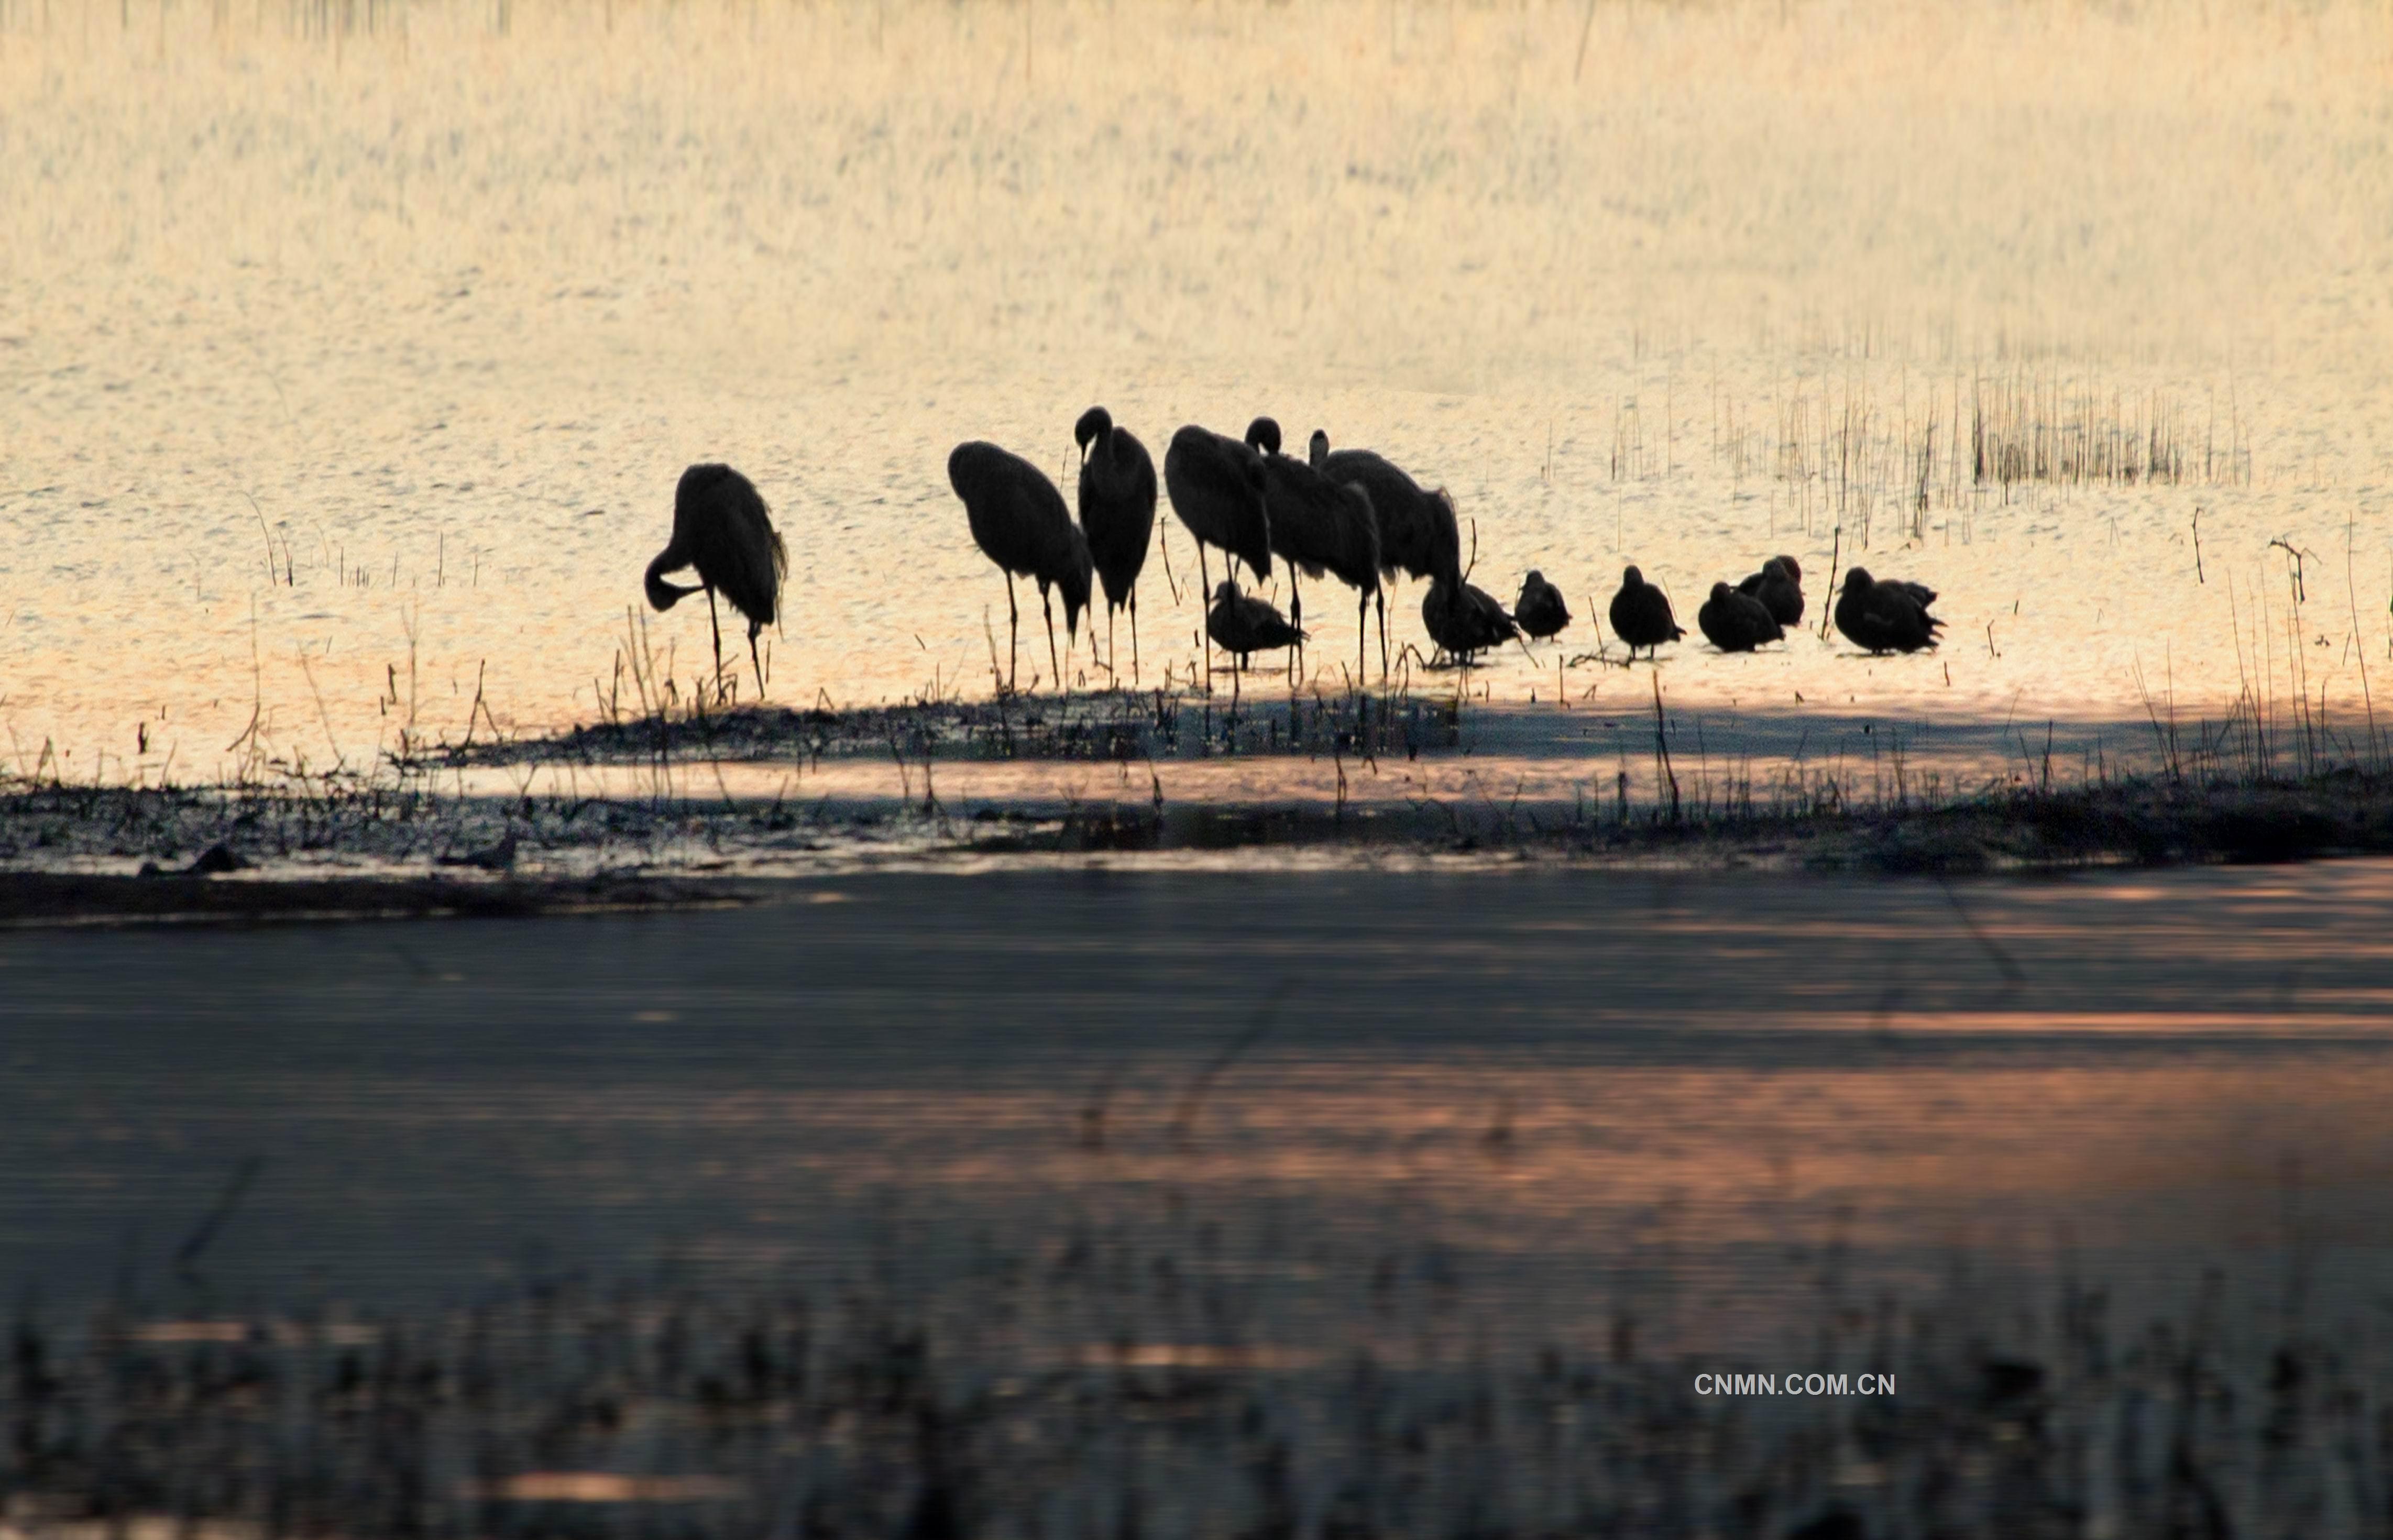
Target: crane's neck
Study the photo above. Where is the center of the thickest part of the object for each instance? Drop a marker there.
(662, 595)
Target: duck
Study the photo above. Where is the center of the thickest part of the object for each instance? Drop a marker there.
(1779, 586)
(1464, 620)
(1244, 625)
(1886, 616)
(1539, 609)
(1737, 622)
(1641, 613)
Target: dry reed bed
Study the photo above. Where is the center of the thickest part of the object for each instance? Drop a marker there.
(566, 849)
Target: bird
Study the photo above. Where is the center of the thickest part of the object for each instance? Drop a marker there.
(1641, 613)
(1244, 625)
(722, 528)
(1539, 608)
(1019, 522)
(1320, 526)
(1886, 616)
(1737, 622)
(1117, 513)
(1217, 488)
(1419, 535)
(1779, 586)
(1464, 620)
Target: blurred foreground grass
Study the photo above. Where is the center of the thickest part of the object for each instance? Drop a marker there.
(1086, 1385)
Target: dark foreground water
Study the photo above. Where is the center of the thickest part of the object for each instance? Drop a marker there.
(1704, 1101)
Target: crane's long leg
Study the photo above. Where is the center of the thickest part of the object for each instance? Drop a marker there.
(1110, 636)
(1383, 633)
(1296, 619)
(1048, 605)
(1133, 637)
(1204, 603)
(753, 628)
(715, 621)
(1362, 634)
(1012, 637)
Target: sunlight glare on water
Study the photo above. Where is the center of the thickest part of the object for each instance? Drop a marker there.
(350, 369)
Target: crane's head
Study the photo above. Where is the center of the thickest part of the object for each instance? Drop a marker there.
(664, 594)
(1262, 435)
(1093, 423)
(1316, 450)
(1632, 579)
(1857, 580)
(1787, 566)
(1721, 593)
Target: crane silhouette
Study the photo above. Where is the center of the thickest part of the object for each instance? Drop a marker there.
(1019, 522)
(1321, 525)
(1218, 490)
(1419, 535)
(1116, 513)
(722, 528)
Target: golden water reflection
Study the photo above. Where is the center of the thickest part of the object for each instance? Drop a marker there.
(349, 374)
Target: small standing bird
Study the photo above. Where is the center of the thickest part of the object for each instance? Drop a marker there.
(1244, 625)
(1737, 622)
(1464, 620)
(1641, 613)
(722, 528)
(1886, 616)
(1539, 608)
(1320, 526)
(1779, 586)
(1019, 522)
(1117, 513)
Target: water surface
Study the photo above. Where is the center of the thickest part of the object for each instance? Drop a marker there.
(351, 370)
(1711, 1102)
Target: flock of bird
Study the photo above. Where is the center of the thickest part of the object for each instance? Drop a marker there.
(1347, 514)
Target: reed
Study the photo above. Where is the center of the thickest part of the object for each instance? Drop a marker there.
(1100, 1376)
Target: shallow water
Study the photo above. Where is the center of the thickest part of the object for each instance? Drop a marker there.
(1708, 1101)
(349, 371)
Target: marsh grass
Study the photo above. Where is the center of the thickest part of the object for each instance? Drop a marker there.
(2276, 775)
(1884, 814)
(1876, 445)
